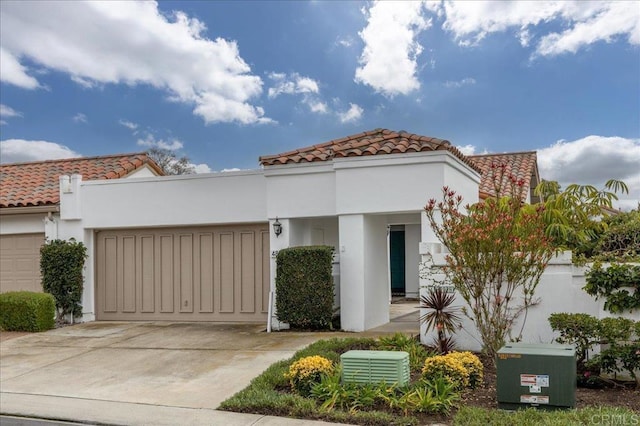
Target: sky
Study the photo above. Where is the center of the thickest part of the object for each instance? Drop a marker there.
(227, 81)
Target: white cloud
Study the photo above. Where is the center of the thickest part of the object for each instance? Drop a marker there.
(201, 168)
(459, 83)
(295, 84)
(585, 22)
(354, 113)
(389, 59)
(291, 84)
(344, 41)
(133, 43)
(467, 149)
(129, 125)
(233, 169)
(594, 160)
(151, 142)
(20, 150)
(79, 118)
(12, 72)
(8, 112)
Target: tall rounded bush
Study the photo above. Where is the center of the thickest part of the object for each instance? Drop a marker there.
(61, 264)
(304, 286)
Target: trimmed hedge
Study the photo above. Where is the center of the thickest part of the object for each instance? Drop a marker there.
(61, 264)
(304, 286)
(27, 311)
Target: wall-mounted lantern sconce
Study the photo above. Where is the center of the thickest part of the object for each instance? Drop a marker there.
(277, 227)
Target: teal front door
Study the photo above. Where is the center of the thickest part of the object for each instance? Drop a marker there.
(397, 261)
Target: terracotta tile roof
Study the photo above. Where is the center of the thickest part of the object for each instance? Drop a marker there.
(374, 142)
(36, 183)
(522, 165)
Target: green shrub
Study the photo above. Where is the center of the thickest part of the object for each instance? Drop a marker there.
(307, 371)
(401, 342)
(27, 311)
(304, 286)
(61, 264)
(613, 283)
(622, 237)
(620, 335)
(581, 330)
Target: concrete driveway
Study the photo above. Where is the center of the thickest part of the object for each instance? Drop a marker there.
(136, 365)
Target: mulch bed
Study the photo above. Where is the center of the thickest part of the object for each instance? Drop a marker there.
(617, 395)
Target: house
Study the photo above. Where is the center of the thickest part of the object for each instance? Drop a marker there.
(202, 247)
(30, 206)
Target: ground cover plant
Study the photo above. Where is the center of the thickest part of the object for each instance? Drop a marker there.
(430, 398)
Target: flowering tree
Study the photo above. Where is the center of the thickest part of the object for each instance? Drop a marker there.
(497, 252)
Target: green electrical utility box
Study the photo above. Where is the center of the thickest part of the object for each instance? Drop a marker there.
(365, 367)
(536, 375)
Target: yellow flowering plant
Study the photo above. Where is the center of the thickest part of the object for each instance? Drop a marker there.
(306, 372)
(451, 369)
(473, 365)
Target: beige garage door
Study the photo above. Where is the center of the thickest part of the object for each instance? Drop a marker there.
(20, 262)
(189, 274)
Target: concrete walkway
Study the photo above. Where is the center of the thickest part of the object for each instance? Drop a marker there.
(151, 373)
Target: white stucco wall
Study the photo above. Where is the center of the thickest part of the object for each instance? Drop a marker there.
(559, 290)
(22, 223)
(412, 258)
(301, 190)
(376, 282)
(217, 198)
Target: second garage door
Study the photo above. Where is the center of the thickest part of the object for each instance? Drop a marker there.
(20, 262)
(189, 274)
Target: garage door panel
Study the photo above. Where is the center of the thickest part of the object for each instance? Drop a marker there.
(247, 272)
(110, 272)
(185, 264)
(146, 273)
(129, 274)
(265, 257)
(191, 274)
(166, 273)
(204, 271)
(227, 273)
(20, 262)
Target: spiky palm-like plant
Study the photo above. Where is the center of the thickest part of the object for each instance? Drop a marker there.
(441, 316)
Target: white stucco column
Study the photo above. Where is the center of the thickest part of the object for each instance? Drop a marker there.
(351, 246)
(277, 243)
(364, 284)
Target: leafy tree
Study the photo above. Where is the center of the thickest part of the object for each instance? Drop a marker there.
(573, 217)
(170, 163)
(497, 252)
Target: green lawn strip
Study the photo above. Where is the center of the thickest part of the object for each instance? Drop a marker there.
(265, 395)
(473, 416)
(262, 395)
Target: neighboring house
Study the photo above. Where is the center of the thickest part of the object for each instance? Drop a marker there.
(30, 206)
(202, 247)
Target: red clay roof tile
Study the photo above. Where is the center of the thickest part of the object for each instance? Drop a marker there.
(372, 142)
(36, 183)
(522, 165)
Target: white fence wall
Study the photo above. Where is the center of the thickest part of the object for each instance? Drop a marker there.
(559, 290)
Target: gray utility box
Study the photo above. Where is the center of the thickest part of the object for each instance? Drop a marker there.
(375, 367)
(536, 375)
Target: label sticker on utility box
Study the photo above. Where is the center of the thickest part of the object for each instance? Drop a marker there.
(534, 399)
(541, 380)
